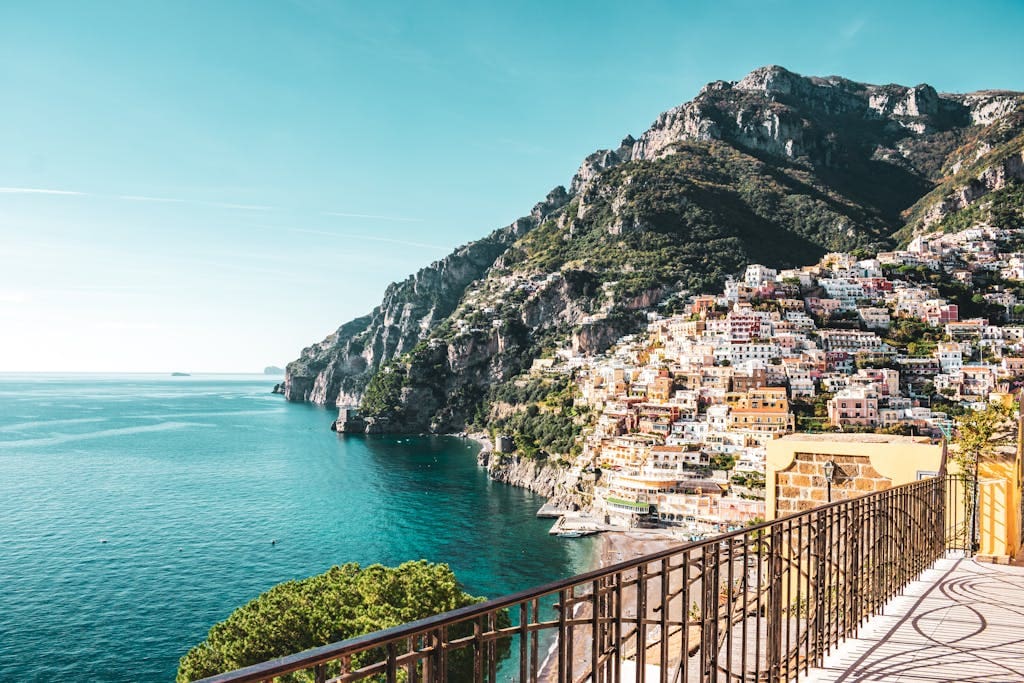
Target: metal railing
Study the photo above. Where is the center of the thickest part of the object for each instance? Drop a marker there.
(764, 603)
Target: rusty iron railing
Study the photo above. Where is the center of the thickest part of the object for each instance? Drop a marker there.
(764, 603)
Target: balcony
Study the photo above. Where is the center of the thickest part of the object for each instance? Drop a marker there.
(960, 621)
(876, 588)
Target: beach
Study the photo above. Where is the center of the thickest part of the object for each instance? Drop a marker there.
(614, 547)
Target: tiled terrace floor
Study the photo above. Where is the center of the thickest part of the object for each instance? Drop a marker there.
(962, 622)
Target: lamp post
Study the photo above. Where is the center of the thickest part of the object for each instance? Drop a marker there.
(830, 473)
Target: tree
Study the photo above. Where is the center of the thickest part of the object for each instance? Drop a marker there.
(341, 603)
(383, 395)
(982, 434)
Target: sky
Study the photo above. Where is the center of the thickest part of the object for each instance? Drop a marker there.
(210, 186)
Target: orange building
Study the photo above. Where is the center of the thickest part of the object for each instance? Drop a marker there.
(765, 409)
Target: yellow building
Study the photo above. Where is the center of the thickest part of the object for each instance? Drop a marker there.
(1000, 510)
(765, 409)
(795, 467)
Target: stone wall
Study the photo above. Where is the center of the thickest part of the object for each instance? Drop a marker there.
(802, 485)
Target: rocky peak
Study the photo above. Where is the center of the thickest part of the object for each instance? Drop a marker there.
(897, 100)
(772, 80)
(555, 199)
(715, 86)
(988, 106)
(599, 161)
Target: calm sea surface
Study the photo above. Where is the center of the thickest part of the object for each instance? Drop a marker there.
(189, 479)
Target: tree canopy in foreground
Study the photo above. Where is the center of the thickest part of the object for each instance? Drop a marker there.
(341, 603)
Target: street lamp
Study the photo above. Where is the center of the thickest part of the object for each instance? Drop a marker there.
(830, 473)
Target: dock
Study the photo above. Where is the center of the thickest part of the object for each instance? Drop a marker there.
(581, 523)
(549, 511)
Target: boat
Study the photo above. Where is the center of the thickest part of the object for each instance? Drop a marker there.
(570, 534)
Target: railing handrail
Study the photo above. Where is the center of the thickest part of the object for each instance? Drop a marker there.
(333, 651)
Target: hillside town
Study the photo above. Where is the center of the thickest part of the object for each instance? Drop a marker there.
(897, 343)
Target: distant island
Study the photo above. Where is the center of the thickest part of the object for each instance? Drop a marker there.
(273, 370)
(180, 374)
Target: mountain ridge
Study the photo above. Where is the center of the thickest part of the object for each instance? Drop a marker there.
(776, 168)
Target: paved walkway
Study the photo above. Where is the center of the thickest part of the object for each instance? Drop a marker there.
(963, 622)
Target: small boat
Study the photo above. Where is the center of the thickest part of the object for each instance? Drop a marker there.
(570, 534)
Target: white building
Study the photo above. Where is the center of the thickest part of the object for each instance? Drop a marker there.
(757, 275)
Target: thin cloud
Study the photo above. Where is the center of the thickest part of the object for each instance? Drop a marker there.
(199, 202)
(122, 326)
(243, 207)
(39, 190)
(378, 217)
(162, 200)
(195, 202)
(850, 31)
(372, 238)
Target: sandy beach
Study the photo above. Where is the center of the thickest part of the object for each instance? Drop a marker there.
(483, 439)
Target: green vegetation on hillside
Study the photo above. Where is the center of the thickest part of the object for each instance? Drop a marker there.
(693, 217)
(914, 337)
(989, 148)
(538, 413)
(383, 395)
(1003, 208)
(342, 603)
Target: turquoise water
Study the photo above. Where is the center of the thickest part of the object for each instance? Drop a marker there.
(188, 480)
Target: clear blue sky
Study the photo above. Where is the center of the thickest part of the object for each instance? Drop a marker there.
(218, 184)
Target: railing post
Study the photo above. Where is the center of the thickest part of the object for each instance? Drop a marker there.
(595, 628)
(820, 551)
(775, 607)
(563, 642)
(975, 522)
(708, 614)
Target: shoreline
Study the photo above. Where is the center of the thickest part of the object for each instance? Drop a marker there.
(613, 547)
(610, 548)
(482, 439)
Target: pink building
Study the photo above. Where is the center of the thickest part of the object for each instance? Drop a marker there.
(855, 406)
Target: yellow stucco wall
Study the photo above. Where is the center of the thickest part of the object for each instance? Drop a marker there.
(902, 459)
(999, 509)
(905, 459)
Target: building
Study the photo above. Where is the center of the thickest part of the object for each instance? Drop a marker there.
(855, 406)
(761, 410)
(851, 341)
(756, 275)
(795, 467)
(874, 318)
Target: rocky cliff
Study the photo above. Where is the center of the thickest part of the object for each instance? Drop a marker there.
(775, 168)
(564, 488)
(336, 370)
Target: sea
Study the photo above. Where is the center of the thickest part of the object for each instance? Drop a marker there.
(136, 511)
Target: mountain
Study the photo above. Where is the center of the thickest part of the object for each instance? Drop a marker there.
(775, 168)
